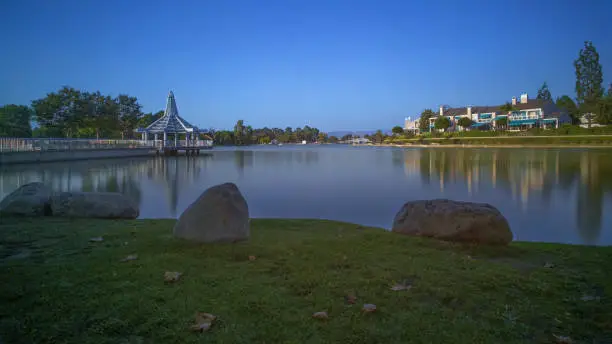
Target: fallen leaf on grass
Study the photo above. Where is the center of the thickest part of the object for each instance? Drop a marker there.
(402, 286)
(350, 299)
(562, 339)
(320, 315)
(203, 322)
(590, 298)
(252, 258)
(172, 276)
(96, 239)
(130, 257)
(368, 308)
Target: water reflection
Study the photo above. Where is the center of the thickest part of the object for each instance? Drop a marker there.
(100, 176)
(547, 195)
(524, 176)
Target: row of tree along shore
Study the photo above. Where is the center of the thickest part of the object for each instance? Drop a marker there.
(72, 113)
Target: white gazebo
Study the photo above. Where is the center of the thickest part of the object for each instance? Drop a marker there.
(173, 125)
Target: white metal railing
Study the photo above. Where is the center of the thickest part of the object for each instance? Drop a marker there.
(184, 143)
(57, 144)
(9, 144)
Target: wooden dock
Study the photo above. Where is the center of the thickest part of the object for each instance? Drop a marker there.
(189, 150)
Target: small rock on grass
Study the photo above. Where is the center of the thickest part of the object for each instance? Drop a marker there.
(96, 239)
(172, 276)
(549, 265)
(401, 286)
(130, 257)
(320, 315)
(252, 258)
(562, 339)
(369, 308)
(203, 322)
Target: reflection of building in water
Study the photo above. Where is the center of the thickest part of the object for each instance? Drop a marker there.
(411, 161)
(525, 175)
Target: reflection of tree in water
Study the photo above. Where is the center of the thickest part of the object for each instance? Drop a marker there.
(527, 173)
(590, 198)
(174, 171)
(243, 159)
(86, 176)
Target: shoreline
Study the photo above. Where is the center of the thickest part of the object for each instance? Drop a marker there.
(501, 145)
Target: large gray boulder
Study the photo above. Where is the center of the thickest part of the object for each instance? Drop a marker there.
(220, 214)
(28, 200)
(453, 221)
(107, 205)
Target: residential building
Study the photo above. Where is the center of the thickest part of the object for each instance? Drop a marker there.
(529, 113)
(411, 126)
(587, 120)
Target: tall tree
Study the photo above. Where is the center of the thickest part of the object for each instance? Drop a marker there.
(424, 120)
(589, 78)
(544, 92)
(15, 121)
(507, 109)
(128, 115)
(239, 132)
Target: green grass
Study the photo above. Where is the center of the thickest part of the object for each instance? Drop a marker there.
(57, 287)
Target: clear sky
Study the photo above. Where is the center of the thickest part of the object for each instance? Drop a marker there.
(332, 64)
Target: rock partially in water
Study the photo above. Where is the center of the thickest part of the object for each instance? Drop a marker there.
(220, 214)
(453, 221)
(107, 205)
(32, 199)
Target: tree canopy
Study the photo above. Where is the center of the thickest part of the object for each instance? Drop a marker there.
(442, 122)
(15, 121)
(424, 120)
(566, 103)
(73, 113)
(544, 92)
(465, 122)
(589, 78)
(243, 134)
(397, 130)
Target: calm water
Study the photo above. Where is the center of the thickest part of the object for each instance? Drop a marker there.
(554, 195)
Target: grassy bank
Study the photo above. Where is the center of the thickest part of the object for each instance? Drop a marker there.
(60, 287)
(569, 140)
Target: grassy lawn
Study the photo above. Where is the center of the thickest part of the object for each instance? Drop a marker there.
(59, 287)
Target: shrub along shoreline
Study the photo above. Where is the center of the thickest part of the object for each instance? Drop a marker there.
(69, 280)
(562, 141)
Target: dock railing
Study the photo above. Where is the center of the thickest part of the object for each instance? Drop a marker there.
(8, 144)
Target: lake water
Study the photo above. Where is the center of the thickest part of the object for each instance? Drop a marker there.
(553, 195)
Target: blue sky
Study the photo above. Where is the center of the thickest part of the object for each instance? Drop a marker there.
(332, 64)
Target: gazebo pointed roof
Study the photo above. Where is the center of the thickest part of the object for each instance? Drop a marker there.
(171, 122)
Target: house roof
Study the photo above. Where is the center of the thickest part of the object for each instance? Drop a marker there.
(548, 106)
(171, 122)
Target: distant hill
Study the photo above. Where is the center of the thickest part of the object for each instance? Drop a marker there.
(361, 133)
